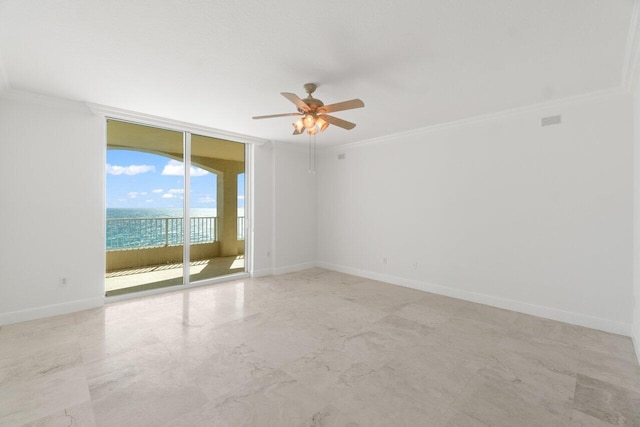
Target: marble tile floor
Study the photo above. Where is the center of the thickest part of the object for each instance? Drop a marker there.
(312, 348)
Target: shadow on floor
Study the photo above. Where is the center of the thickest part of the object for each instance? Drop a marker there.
(154, 277)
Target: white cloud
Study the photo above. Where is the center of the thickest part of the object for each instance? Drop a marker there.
(198, 172)
(135, 194)
(149, 200)
(206, 199)
(176, 168)
(168, 196)
(157, 190)
(129, 170)
(176, 191)
(173, 168)
(240, 197)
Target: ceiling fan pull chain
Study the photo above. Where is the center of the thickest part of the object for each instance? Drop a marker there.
(312, 154)
(310, 165)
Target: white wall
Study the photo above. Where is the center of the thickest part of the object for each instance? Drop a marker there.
(263, 193)
(51, 187)
(500, 211)
(295, 208)
(636, 219)
(285, 213)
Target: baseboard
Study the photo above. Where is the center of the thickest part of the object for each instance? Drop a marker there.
(50, 310)
(69, 307)
(282, 270)
(507, 304)
(292, 268)
(262, 273)
(535, 310)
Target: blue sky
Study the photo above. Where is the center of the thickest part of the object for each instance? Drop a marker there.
(142, 180)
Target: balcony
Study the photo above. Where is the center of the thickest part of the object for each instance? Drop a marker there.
(147, 253)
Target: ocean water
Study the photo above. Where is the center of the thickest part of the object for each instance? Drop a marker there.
(155, 212)
(142, 228)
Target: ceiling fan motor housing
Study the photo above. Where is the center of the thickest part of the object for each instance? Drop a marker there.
(313, 104)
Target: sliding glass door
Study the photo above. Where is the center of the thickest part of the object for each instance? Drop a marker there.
(216, 208)
(149, 219)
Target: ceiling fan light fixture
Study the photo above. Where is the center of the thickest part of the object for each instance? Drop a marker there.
(322, 124)
(309, 121)
(298, 125)
(313, 130)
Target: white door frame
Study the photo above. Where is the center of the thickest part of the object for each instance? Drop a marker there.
(188, 129)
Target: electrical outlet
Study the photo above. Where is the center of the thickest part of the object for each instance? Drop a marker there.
(384, 260)
(63, 282)
(415, 265)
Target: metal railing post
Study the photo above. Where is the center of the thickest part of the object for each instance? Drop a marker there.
(166, 231)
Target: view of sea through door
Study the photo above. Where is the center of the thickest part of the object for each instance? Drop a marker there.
(145, 208)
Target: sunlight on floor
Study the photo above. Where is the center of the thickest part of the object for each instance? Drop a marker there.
(238, 262)
(198, 270)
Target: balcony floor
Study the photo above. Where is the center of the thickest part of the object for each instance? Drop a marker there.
(159, 276)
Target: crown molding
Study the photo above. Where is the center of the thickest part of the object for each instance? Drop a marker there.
(44, 100)
(166, 123)
(617, 91)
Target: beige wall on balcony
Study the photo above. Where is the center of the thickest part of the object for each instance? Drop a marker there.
(133, 258)
(227, 172)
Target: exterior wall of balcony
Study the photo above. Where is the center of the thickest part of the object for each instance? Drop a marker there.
(132, 258)
(144, 257)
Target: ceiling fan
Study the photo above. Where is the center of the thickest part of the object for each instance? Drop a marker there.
(314, 113)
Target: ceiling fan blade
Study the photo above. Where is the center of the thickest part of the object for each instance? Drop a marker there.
(338, 122)
(296, 100)
(340, 106)
(276, 115)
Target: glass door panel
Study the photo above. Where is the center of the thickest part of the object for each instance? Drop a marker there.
(144, 199)
(216, 207)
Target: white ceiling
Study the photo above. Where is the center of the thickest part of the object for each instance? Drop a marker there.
(414, 63)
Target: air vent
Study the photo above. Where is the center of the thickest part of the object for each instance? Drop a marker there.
(551, 120)
(341, 156)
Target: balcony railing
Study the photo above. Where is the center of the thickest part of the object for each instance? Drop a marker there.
(136, 233)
